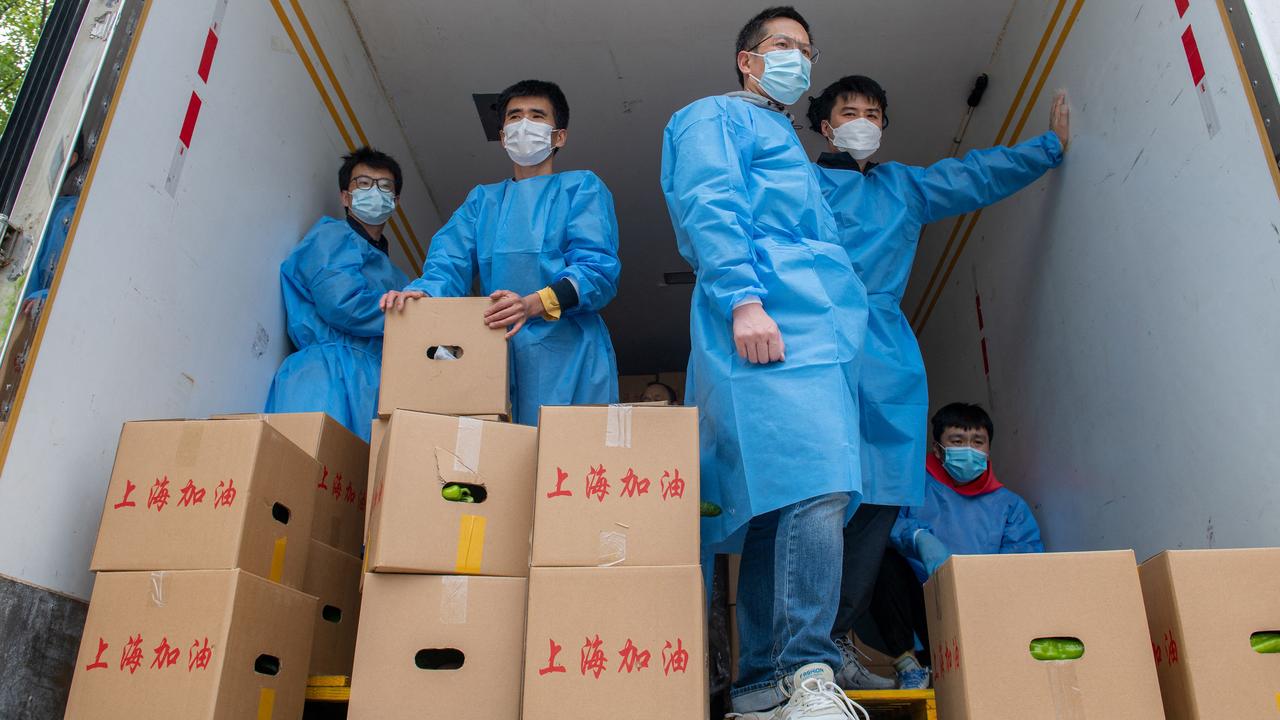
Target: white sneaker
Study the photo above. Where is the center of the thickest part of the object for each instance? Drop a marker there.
(816, 697)
(758, 715)
(854, 675)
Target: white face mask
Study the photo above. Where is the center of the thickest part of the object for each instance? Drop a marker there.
(527, 142)
(860, 138)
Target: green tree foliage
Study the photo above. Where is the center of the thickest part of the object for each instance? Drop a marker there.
(20, 24)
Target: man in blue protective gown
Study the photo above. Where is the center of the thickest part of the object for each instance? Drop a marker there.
(777, 322)
(332, 281)
(964, 510)
(45, 266)
(880, 210)
(545, 247)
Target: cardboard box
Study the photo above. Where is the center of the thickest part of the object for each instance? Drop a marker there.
(435, 646)
(984, 611)
(631, 387)
(334, 577)
(621, 643)
(376, 433)
(208, 495)
(194, 644)
(1202, 608)
(617, 485)
(473, 384)
(342, 493)
(675, 381)
(415, 529)
(735, 570)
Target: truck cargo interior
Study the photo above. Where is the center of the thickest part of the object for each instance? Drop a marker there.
(1117, 318)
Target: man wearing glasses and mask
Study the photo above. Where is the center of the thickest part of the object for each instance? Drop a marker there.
(777, 324)
(544, 245)
(331, 283)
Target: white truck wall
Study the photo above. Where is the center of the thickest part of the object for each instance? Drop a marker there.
(1129, 297)
(169, 305)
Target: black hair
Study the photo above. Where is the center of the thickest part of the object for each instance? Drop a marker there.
(963, 416)
(536, 88)
(366, 155)
(848, 86)
(670, 390)
(751, 33)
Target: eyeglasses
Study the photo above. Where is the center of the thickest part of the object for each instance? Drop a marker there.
(779, 41)
(364, 182)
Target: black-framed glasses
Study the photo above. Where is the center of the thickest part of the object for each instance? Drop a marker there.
(364, 182)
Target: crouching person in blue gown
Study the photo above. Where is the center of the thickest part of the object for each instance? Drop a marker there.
(966, 511)
(331, 282)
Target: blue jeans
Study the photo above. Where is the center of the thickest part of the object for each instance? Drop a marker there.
(788, 594)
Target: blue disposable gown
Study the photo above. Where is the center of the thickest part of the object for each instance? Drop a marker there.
(751, 221)
(880, 216)
(523, 236)
(990, 524)
(55, 238)
(332, 282)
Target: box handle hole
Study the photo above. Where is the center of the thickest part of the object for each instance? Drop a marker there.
(280, 513)
(464, 493)
(1266, 642)
(439, 659)
(267, 665)
(444, 352)
(1047, 649)
(331, 614)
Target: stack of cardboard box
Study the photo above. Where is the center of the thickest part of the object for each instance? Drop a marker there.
(450, 519)
(337, 532)
(202, 549)
(616, 605)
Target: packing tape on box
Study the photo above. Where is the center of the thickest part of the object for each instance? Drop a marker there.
(277, 559)
(466, 449)
(266, 703)
(618, 430)
(1064, 687)
(453, 600)
(157, 589)
(470, 544)
(612, 548)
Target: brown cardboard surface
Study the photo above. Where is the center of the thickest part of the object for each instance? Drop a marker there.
(376, 433)
(617, 485)
(334, 577)
(735, 566)
(202, 494)
(184, 645)
(342, 492)
(481, 617)
(1202, 606)
(621, 643)
(676, 381)
(414, 529)
(474, 384)
(984, 611)
(631, 387)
